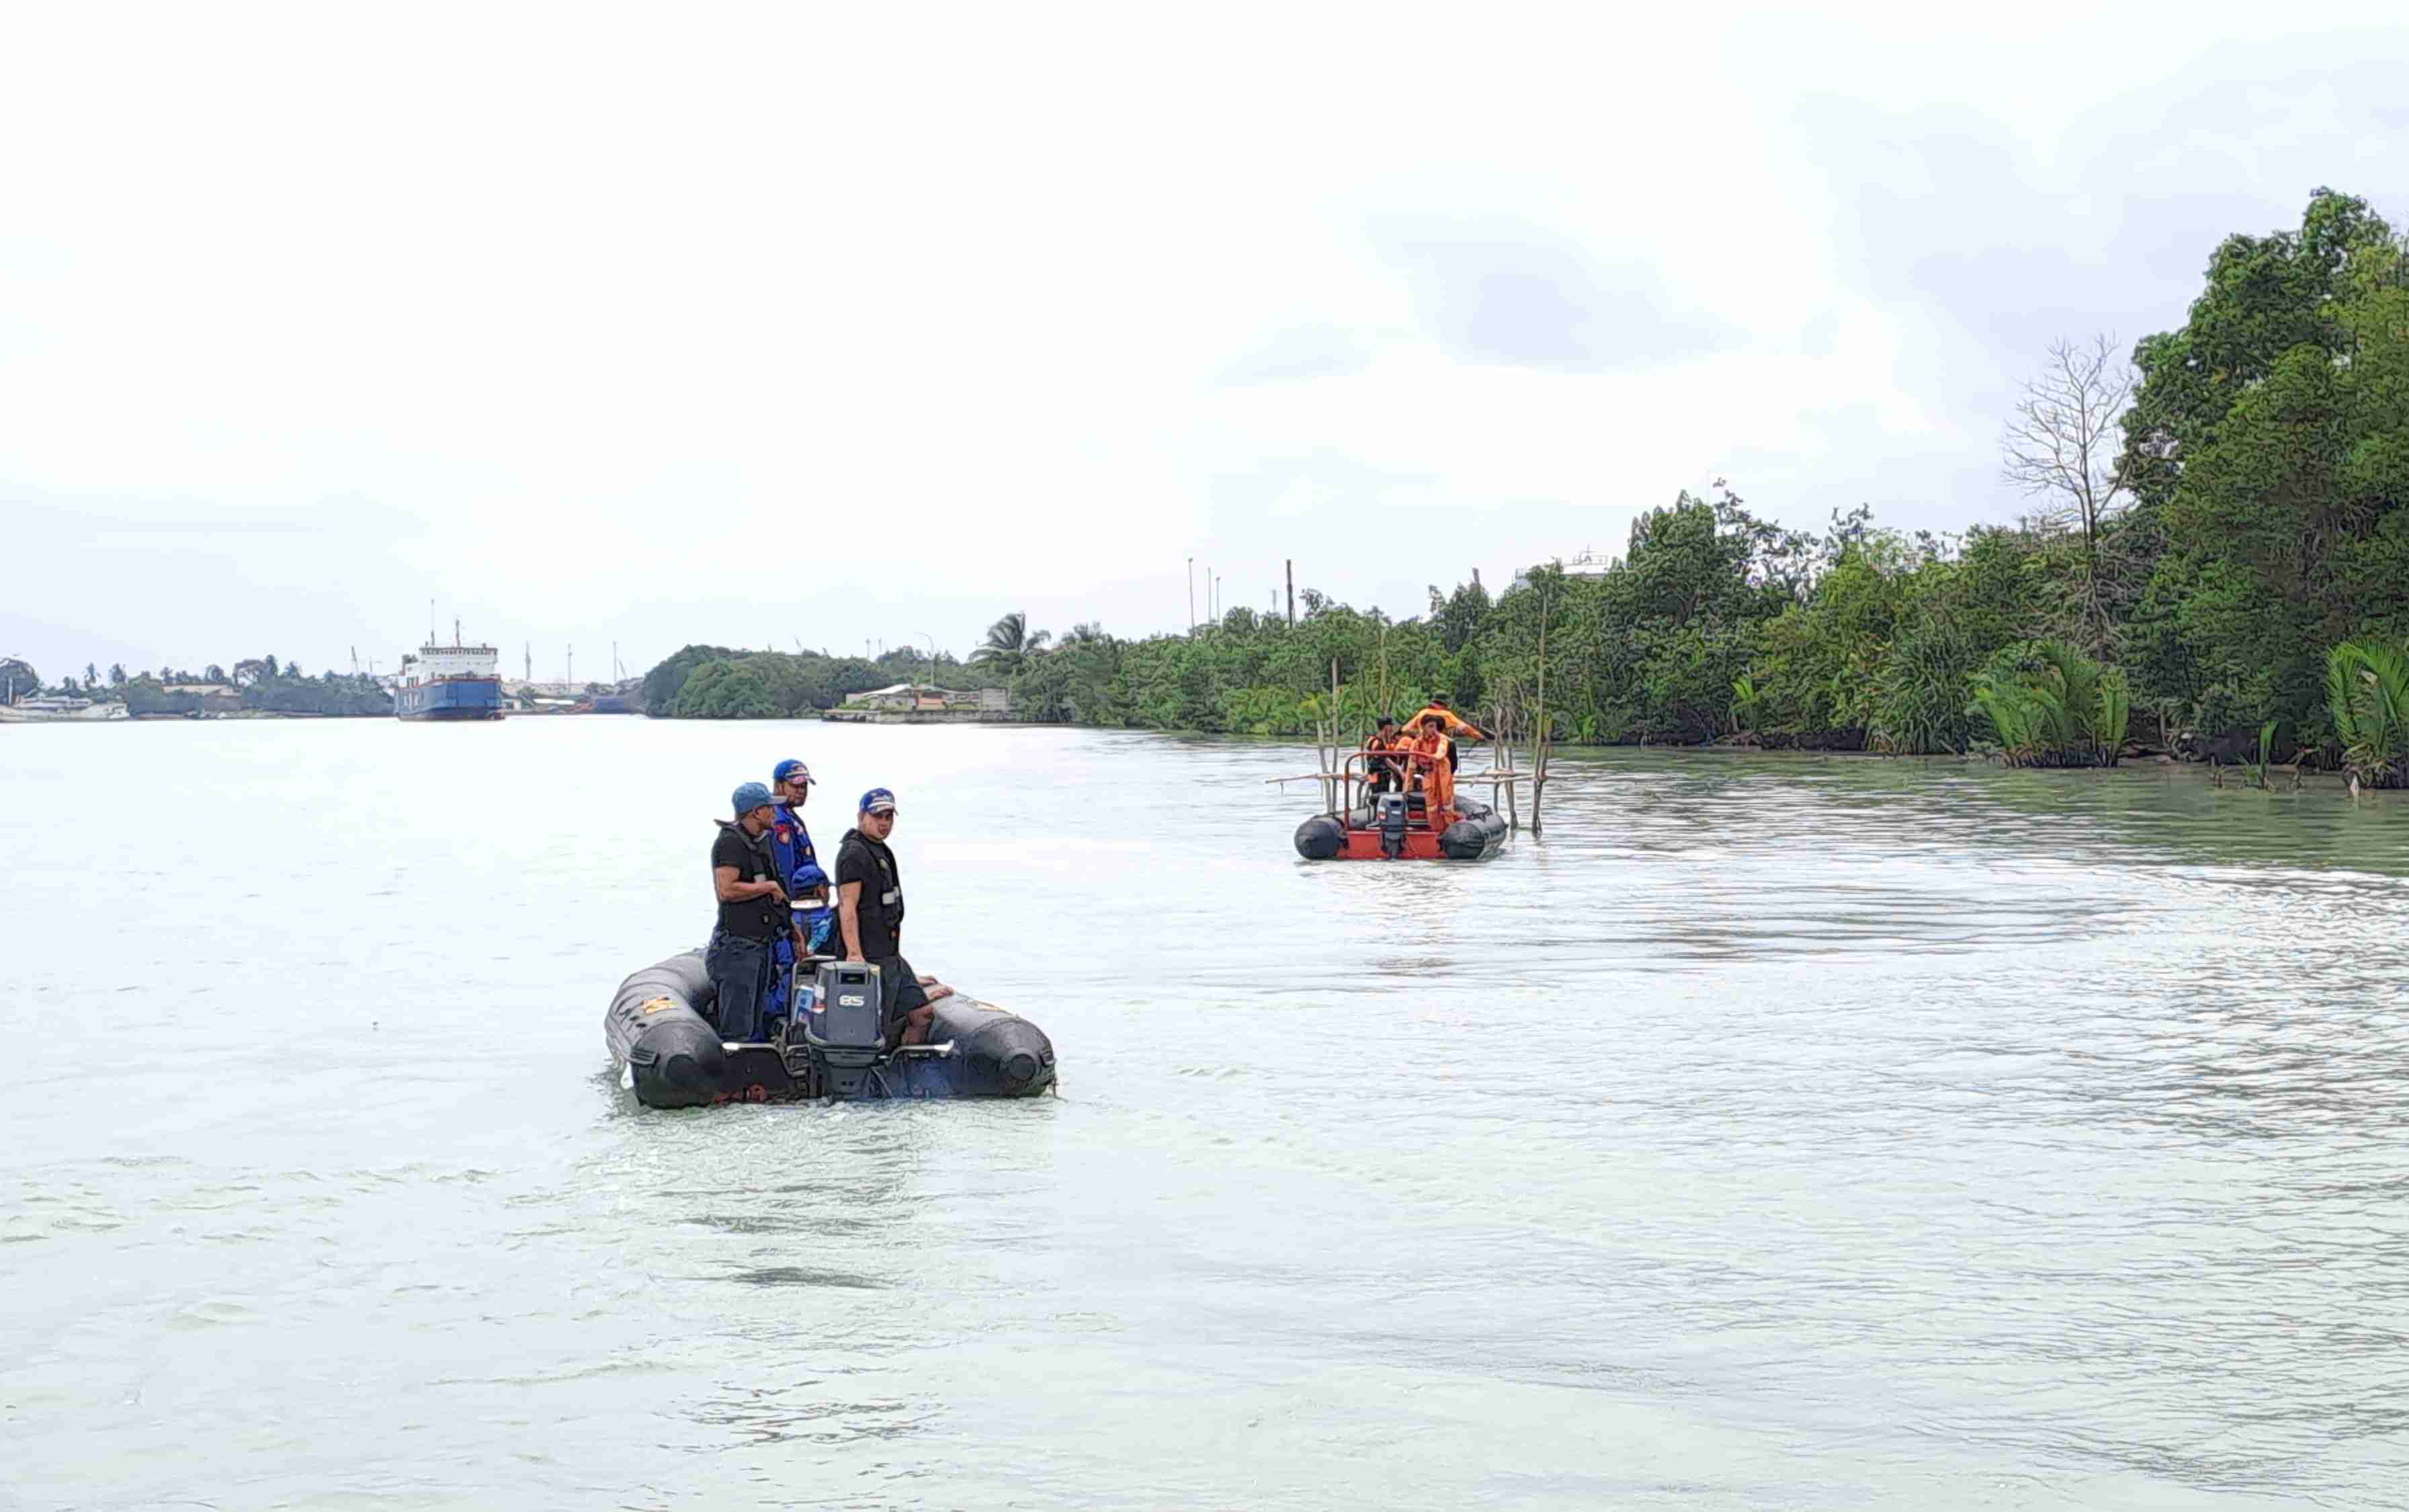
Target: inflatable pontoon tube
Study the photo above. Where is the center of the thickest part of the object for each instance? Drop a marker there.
(672, 1057)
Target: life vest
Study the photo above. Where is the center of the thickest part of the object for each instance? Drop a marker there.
(798, 868)
(1384, 759)
(880, 907)
(1456, 724)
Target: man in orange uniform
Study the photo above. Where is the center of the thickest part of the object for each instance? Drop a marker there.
(1455, 723)
(1433, 761)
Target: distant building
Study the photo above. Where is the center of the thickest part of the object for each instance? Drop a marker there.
(1585, 563)
(897, 696)
(918, 703)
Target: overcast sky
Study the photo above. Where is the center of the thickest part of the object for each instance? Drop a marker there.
(675, 324)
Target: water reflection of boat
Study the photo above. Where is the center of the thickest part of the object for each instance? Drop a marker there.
(672, 1057)
(50, 709)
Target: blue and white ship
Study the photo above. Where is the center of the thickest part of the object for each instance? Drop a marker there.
(454, 682)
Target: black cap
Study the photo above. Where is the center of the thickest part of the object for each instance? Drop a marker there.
(1386, 720)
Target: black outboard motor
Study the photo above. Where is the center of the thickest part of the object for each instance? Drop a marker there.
(1393, 825)
(845, 1026)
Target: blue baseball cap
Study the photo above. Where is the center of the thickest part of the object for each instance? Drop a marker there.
(878, 801)
(750, 797)
(790, 770)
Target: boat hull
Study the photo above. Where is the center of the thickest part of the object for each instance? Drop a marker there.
(670, 1055)
(1354, 837)
(98, 714)
(452, 698)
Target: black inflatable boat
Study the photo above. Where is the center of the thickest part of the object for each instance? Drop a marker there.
(670, 1055)
(1393, 827)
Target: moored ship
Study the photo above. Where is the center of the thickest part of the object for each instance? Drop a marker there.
(44, 709)
(454, 682)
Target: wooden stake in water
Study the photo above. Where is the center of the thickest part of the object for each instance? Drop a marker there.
(1539, 733)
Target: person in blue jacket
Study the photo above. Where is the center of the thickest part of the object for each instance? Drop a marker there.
(799, 863)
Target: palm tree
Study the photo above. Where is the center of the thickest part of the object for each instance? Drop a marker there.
(1010, 643)
(2366, 692)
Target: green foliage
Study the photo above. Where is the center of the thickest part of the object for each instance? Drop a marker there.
(778, 684)
(1922, 690)
(2267, 451)
(19, 674)
(1748, 706)
(2273, 433)
(666, 681)
(285, 691)
(2049, 705)
(2367, 698)
(722, 689)
(2253, 774)
(1010, 643)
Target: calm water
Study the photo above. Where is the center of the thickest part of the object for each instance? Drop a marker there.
(1774, 1133)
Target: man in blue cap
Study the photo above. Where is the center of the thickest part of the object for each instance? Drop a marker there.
(754, 929)
(799, 863)
(870, 914)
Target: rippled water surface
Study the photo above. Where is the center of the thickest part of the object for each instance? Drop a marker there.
(1775, 1132)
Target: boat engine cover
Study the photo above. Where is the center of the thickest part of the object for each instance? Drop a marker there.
(847, 1012)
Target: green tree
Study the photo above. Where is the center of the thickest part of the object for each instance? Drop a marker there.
(667, 680)
(1010, 643)
(725, 690)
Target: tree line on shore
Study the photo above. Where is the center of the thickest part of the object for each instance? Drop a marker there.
(260, 682)
(2217, 558)
(701, 681)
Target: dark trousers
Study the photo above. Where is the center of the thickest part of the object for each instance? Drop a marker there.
(745, 974)
(899, 992)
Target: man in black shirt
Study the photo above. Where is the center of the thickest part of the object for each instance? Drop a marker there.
(742, 958)
(870, 919)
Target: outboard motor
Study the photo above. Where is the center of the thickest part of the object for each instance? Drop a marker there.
(1393, 825)
(844, 1025)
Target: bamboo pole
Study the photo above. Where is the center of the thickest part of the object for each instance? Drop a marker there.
(1505, 753)
(1539, 735)
(1337, 762)
(1384, 669)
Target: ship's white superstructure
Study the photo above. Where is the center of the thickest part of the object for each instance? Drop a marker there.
(432, 663)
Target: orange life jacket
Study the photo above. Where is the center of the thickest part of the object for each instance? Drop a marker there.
(1456, 724)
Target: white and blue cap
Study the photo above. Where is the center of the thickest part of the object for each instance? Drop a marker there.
(790, 770)
(878, 801)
